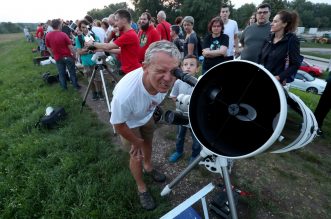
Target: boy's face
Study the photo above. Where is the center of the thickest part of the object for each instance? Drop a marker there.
(190, 66)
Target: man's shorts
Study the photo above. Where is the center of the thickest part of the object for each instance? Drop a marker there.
(88, 71)
(145, 132)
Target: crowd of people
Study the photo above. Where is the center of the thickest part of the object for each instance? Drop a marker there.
(148, 53)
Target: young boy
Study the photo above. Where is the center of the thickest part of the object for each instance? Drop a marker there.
(190, 65)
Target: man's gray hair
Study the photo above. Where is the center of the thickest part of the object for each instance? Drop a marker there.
(162, 46)
(162, 14)
(111, 16)
(189, 19)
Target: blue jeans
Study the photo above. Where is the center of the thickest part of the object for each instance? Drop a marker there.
(196, 148)
(62, 64)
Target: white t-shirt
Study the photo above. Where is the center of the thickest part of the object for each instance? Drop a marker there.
(230, 29)
(180, 87)
(100, 33)
(131, 103)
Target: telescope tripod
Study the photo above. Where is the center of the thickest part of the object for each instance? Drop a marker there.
(99, 68)
(220, 165)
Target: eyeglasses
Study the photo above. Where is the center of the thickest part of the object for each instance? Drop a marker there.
(262, 12)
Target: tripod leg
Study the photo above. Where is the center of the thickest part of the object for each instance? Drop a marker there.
(87, 90)
(105, 90)
(112, 74)
(203, 154)
(224, 163)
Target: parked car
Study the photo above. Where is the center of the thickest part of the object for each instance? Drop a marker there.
(305, 82)
(311, 69)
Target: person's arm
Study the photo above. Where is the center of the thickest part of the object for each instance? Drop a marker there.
(190, 48)
(236, 44)
(214, 53)
(102, 46)
(50, 52)
(190, 45)
(73, 53)
(295, 59)
(242, 38)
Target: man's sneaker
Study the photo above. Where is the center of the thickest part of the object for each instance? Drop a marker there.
(156, 175)
(100, 95)
(175, 156)
(146, 200)
(94, 96)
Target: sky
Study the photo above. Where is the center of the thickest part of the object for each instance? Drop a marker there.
(36, 11)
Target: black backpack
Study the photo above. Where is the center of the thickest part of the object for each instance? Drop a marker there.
(51, 121)
(50, 79)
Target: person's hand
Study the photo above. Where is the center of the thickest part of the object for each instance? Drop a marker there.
(237, 52)
(89, 43)
(205, 52)
(136, 151)
(282, 82)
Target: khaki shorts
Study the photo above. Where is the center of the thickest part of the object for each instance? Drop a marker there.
(88, 71)
(145, 132)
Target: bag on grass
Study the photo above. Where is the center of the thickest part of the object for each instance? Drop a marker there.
(52, 117)
(50, 79)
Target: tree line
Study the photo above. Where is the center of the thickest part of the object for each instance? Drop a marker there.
(9, 27)
(311, 15)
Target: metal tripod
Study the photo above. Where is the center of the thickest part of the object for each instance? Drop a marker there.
(100, 67)
(220, 164)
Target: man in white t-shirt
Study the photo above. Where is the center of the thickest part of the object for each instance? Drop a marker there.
(230, 29)
(135, 98)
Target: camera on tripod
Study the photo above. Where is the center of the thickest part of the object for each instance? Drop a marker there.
(98, 57)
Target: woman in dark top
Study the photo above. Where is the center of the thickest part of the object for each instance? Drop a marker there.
(191, 38)
(215, 44)
(280, 53)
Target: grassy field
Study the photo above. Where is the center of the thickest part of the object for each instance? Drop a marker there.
(320, 55)
(314, 45)
(75, 171)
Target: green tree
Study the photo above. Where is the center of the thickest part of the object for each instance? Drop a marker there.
(202, 12)
(276, 6)
(107, 10)
(242, 14)
(152, 6)
(170, 7)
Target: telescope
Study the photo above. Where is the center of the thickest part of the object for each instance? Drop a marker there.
(238, 110)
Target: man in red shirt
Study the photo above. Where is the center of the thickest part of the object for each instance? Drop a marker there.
(60, 47)
(128, 42)
(163, 27)
(40, 37)
(147, 35)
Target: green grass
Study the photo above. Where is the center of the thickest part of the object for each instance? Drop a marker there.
(73, 171)
(317, 54)
(314, 45)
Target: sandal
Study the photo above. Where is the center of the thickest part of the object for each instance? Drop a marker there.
(146, 200)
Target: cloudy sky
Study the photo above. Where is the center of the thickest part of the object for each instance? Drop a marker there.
(34, 11)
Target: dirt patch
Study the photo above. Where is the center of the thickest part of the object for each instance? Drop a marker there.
(277, 185)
